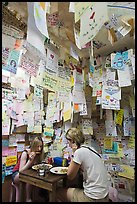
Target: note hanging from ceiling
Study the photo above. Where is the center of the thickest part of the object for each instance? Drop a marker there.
(92, 21)
(52, 61)
(118, 60)
(80, 8)
(124, 78)
(77, 36)
(34, 36)
(40, 17)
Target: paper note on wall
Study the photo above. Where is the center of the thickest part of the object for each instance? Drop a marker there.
(92, 21)
(48, 132)
(67, 115)
(40, 17)
(119, 117)
(52, 61)
(34, 36)
(128, 172)
(80, 8)
(11, 160)
(5, 151)
(108, 143)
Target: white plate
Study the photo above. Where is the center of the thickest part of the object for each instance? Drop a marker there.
(36, 167)
(59, 170)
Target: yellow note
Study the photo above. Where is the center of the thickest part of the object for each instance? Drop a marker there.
(67, 115)
(108, 143)
(72, 80)
(119, 117)
(11, 160)
(42, 4)
(37, 129)
(131, 142)
(128, 172)
(48, 131)
(119, 154)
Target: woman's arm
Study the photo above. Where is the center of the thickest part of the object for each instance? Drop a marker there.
(24, 164)
(73, 170)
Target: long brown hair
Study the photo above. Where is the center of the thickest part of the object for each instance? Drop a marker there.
(34, 144)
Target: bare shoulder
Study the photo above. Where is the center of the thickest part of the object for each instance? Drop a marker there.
(24, 154)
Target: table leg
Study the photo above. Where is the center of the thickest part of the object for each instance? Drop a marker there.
(64, 182)
(52, 194)
(22, 188)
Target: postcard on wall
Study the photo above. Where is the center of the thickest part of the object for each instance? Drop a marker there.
(110, 128)
(52, 61)
(87, 128)
(63, 72)
(12, 151)
(119, 60)
(12, 140)
(29, 65)
(13, 61)
(110, 97)
(91, 21)
(108, 142)
(49, 82)
(124, 78)
(5, 56)
(111, 91)
(11, 160)
(84, 109)
(78, 97)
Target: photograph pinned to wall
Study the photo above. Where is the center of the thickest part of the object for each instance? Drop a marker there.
(13, 61)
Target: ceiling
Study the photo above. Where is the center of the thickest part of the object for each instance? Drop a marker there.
(64, 34)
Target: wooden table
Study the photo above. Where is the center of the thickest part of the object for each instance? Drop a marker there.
(48, 182)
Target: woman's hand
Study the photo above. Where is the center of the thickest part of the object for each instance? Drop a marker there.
(32, 156)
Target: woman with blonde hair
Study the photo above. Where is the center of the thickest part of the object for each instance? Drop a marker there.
(89, 162)
(28, 158)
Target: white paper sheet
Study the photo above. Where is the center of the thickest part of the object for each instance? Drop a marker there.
(34, 36)
(92, 21)
(52, 61)
(40, 17)
(124, 77)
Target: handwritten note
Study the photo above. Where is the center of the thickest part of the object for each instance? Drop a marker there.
(92, 21)
(52, 61)
(80, 8)
(11, 160)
